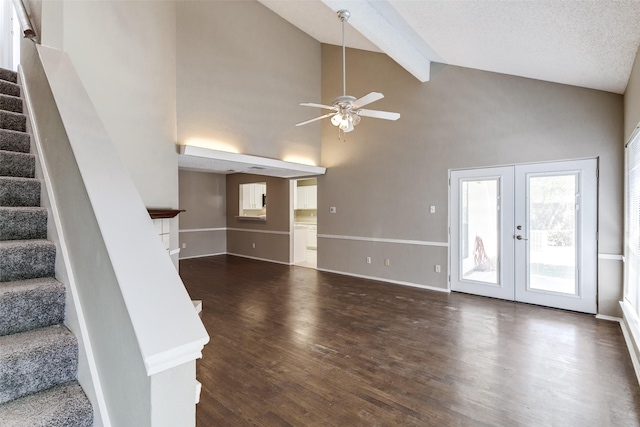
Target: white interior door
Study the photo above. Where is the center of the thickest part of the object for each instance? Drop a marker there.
(527, 233)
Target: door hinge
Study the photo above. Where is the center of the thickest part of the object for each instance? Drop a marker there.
(597, 173)
(449, 278)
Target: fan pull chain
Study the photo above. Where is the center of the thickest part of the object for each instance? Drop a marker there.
(340, 131)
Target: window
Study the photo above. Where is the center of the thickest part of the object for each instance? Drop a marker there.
(632, 224)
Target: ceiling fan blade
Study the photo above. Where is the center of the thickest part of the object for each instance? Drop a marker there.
(367, 99)
(313, 120)
(387, 115)
(311, 104)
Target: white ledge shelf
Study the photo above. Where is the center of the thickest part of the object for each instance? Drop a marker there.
(252, 218)
(205, 159)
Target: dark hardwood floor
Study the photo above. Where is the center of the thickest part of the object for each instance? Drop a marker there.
(292, 346)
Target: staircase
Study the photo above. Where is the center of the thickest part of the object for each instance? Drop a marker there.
(38, 354)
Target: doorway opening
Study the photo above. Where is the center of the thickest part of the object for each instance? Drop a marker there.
(305, 222)
(526, 233)
(9, 37)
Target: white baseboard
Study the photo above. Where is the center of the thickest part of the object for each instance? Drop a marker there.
(380, 279)
(202, 256)
(630, 337)
(258, 259)
(609, 318)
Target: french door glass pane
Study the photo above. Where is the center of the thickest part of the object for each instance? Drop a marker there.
(552, 233)
(479, 230)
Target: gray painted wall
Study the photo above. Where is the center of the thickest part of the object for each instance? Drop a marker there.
(128, 69)
(203, 225)
(241, 73)
(461, 118)
(239, 83)
(125, 54)
(384, 177)
(271, 237)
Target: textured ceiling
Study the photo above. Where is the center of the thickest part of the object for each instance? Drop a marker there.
(582, 43)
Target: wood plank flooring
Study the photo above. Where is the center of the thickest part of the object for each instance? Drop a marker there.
(292, 346)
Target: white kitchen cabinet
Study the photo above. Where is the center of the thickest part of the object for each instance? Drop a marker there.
(246, 198)
(312, 237)
(300, 235)
(306, 197)
(312, 197)
(252, 195)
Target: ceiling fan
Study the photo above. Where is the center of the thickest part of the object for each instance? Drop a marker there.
(347, 110)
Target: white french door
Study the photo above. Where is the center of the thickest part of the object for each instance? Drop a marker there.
(526, 233)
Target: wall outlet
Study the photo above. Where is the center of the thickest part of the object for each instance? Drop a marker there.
(184, 246)
(368, 260)
(387, 262)
(437, 268)
(332, 209)
(432, 209)
(253, 245)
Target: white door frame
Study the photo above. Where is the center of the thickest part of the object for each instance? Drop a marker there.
(6, 35)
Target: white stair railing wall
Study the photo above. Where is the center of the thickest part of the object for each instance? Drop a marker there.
(141, 332)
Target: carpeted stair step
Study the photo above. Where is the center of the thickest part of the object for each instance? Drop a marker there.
(17, 164)
(30, 304)
(9, 88)
(26, 259)
(19, 191)
(38, 354)
(36, 360)
(8, 75)
(13, 121)
(10, 103)
(11, 140)
(60, 406)
(23, 223)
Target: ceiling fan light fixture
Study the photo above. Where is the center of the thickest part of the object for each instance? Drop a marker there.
(346, 124)
(347, 109)
(344, 121)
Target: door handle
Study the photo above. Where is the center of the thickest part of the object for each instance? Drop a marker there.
(519, 237)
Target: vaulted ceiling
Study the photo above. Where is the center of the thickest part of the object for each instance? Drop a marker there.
(589, 44)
